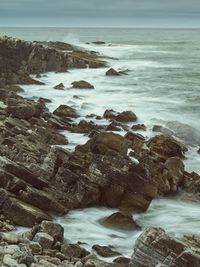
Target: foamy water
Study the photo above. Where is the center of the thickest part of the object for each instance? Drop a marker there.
(162, 88)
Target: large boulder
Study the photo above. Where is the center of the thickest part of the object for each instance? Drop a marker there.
(23, 214)
(65, 111)
(164, 147)
(155, 247)
(82, 85)
(25, 109)
(53, 229)
(124, 116)
(119, 220)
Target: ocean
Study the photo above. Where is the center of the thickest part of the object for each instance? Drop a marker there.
(162, 87)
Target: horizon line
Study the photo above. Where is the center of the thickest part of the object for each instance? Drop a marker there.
(105, 27)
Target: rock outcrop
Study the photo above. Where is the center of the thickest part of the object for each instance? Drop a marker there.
(20, 58)
(155, 247)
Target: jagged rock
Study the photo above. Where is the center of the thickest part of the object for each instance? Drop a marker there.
(25, 109)
(136, 141)
(86, 127)
(119, 220)
(44, 100)
(82, 85)
(155, 247)
(23, 214)
(105, 251)
(108, 143)
(53, 229)
(65, 111)
(42, 200)
(125, 116)
(21, 58)
(44, 239)
(112, 72)
(164, 147)
(60, 86)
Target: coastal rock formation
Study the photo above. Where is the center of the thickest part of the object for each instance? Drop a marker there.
(20, 58)
(155, 247)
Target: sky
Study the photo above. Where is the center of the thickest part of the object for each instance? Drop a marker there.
(100, 13)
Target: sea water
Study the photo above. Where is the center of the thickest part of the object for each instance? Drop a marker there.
(162, 87)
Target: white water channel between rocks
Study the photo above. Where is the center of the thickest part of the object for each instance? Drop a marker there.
(128, 92)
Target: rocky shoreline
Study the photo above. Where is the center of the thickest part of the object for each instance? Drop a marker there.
(38, 178)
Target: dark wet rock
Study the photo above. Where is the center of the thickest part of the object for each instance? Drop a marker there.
(38, 76)
(99, 42)
(121, 221)
(60, 86)
(86, 127)
(125, 116)
(44, 100)
(155, 247)
(164, 147)
(110, 181)
(65, 111)
(105, 251)
(112, 72)
(198, 151)
(23, 214)
(82, 85)
(138, 127)
(113, 127)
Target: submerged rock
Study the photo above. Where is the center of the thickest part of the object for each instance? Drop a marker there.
(112, 72)
(82, 85)
(119, 220)
(60, 86)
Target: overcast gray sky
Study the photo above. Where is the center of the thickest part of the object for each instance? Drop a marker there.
(100, 13)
